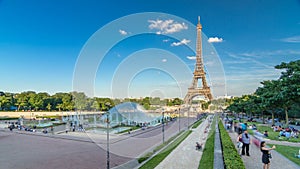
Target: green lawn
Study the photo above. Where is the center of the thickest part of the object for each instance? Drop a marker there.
(289, 152)
(156, 149)
(197, 123)
(274, 135)
(207, 159)
(152, 163)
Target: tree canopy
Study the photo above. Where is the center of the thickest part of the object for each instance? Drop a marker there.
(280, 94)
(72, 101)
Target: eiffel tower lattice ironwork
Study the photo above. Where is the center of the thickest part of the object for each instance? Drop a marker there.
(199, 73)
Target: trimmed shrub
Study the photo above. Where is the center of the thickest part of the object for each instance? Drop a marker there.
(232, 159)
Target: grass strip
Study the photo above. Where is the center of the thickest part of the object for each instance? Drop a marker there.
(9, 118)
(232, 159)
(152, 163)
(288, 151)
(149, 154)
(197, 123)
(207, 159)
(131, 129)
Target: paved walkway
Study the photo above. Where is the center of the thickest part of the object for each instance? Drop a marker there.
(185, 155)
(254, 161)
(218, 154)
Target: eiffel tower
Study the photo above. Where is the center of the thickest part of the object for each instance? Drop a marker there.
(199, 73)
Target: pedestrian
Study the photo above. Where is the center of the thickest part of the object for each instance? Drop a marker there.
(246, 142)
(266, 155)
(244, 126)
(52, 130)
(239, 143)
(198, 146)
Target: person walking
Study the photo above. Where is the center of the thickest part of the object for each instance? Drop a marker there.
(239, 143)
(266, 155)
(246, 142)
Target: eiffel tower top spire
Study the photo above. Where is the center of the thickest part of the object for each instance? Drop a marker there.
(199, 26)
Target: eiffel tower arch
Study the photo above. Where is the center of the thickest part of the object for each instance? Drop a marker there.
(199, 73)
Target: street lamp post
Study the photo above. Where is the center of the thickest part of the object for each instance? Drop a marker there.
(107, 140)
(179, 120)
(188, 116)
(163, 125)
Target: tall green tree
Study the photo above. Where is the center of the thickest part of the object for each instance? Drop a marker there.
(4, 102)
(80, 100)
(22, 102)
(289, 85)
(268, 94)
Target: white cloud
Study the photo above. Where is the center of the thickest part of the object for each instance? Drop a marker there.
(259, 54)
(166, 40)
(166, 26)
(215, 40)
(122, 32)
(241, 57)
(182, 42)
(191, 57)
(164, 60)
(293, 39)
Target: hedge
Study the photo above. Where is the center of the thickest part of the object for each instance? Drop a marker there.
(232, 159)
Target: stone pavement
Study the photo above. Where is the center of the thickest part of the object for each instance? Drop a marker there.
(278, 161)
(218, 154)
(185, 154)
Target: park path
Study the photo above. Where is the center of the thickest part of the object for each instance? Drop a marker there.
(218, 154)
(278, 161)
(185, 155)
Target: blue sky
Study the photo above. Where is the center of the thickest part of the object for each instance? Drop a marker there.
(41, 43)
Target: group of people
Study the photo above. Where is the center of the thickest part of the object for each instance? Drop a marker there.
(17, 125)
(286, 132)
(243, 143)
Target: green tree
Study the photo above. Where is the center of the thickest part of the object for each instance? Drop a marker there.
(155, 101)
(288, 85)
(49, 107)
(4, 101)
(95, 105)
(268, 94)
(177, 101)
(80, 100)
(22, 101)
(204, 105)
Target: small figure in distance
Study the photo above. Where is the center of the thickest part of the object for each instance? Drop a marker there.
(198, 146)
(297, 155)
